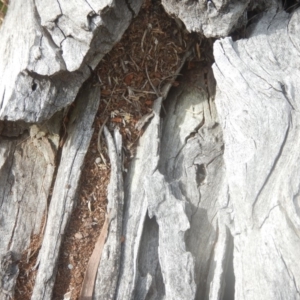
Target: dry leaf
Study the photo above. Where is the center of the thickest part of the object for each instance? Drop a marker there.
(105, 92)
(128, 78)
(117, 120)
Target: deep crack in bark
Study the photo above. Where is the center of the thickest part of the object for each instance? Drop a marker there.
(130, 8)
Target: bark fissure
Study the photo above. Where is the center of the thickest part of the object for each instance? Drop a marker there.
(267, 217)
(14, 228)
(87, 2)
(274, 164)
(59, 7)
(283, 90)
(287, 268)
(128, 4)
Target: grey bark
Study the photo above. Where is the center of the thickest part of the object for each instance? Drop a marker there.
(27, 168)
(47, 51)
(214, 183)
(57, 42)
(215, 18)
(9, 272)
(189, 208)
(259, 116)
(106, 284)
(171, 197)
(65, 188)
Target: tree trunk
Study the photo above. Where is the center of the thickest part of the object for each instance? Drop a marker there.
(209, 208)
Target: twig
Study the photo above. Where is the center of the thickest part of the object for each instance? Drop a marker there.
(123, 96)
(137, 67)
(141, 91)
(142, 42)
(109, 99)
(98, 140)
(153, 87)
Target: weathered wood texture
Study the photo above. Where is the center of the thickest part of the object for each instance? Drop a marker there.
(66, 186)
(47, 58)
(214, 18)
(9, 272)
(191, 160)
(171, 192)
(47, 51)
(107, 279)
(185, 213)
(187, 207)
(27, 167)
(258, 102)
(28, 162)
